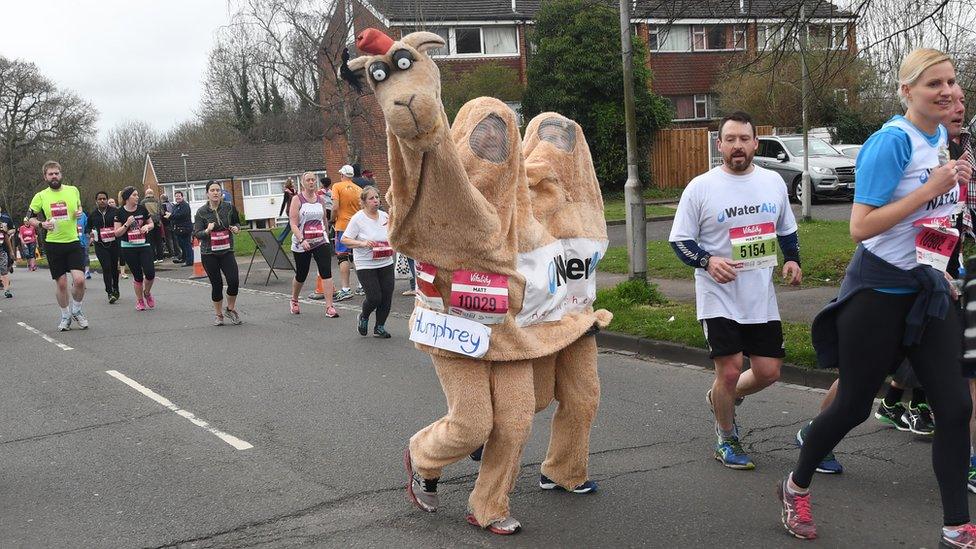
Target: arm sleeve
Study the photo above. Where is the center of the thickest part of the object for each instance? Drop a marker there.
(790, 244)
(35, 205)
(881, 165)
(88, 224)
(352, 229)
(689, 252)
(199, 226)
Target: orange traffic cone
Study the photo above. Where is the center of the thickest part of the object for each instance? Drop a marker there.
(319, 292)
(198, 271)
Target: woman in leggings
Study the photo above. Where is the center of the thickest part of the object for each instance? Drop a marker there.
(366, 235)
(215, 225)
(895, 301)
(132, 223)
(310, 240)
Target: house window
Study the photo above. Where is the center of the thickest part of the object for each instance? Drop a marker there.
(467, 40)
(701, 106)
(693, 107)
(500, 40)
(445, 34)
(472, 41)
(772, 37)
(670, 38)
(739, 39)
(199, 193)
(718, 37)
(821, 37)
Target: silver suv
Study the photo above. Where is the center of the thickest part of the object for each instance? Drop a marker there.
(831, 173)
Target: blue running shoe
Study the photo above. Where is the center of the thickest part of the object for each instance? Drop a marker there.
(829, 465)
(548, 484)
(729, 451)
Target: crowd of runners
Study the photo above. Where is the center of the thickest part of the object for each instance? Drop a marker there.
(898, 311)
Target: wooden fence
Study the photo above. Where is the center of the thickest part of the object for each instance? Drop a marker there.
(678, 155)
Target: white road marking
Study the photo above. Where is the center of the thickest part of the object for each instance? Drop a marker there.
(46, 337)
(229, 439)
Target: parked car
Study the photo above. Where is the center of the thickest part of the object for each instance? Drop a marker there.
(849, 151)
(831, 173)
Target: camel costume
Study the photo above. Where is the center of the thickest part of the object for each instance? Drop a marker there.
(493, 283)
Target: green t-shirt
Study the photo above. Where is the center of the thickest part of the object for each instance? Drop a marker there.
(61, 207)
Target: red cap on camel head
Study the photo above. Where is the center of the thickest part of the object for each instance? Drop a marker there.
(374, 42)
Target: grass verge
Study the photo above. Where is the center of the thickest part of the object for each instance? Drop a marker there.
(641, 310)
(825, 249)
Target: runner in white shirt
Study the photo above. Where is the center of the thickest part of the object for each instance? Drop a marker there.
(730, 224)
(366, 234)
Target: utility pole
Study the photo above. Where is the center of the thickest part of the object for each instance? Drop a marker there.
(633, 198)
(805, 97)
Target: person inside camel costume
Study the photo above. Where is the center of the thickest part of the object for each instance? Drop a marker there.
(504, 312)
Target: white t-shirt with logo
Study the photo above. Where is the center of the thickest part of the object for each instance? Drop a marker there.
(717, 207)
(362, 227)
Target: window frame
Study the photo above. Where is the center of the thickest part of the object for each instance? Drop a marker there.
(655, 31)
(451, 45)
(702, 31)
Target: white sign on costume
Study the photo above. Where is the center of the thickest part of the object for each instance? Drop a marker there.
(450, 333)
(545, 286)
(582, 257)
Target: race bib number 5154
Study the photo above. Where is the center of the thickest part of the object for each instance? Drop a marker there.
(754, 246)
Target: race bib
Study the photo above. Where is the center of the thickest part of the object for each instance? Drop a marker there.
(935, 242)
(482, 297)
(382, 249)
(219, 240)
(28, 236)
(3, 237)
(427, 293)
(106, 234)
(312, 232)
(59, 211)
(754, 246)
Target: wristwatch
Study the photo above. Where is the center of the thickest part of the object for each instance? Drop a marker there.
(703, 260)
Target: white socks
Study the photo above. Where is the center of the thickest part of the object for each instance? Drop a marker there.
(64, 312)
(75, 305)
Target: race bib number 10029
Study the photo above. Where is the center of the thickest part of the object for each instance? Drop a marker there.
(754, 246)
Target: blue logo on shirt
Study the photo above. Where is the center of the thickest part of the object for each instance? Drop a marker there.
(729, 213)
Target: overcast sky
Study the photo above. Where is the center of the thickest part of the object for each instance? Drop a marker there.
(132, 59)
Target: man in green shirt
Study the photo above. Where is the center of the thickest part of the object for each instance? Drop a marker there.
(57, 209)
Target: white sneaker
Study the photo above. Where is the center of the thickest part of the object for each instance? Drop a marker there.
(79, 317)
(65, 324)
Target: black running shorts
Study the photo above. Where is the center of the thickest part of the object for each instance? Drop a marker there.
(64, 257)
(727, 337)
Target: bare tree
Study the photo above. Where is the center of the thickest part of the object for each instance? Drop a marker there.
(36, 120)
(126, 146)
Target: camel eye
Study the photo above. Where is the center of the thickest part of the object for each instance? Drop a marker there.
(403, 59)
(379, 71)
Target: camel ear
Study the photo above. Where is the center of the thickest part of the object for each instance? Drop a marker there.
(358, 64)
(423, 41)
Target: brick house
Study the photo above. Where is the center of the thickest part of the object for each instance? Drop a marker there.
(690, 43)
(254, 174)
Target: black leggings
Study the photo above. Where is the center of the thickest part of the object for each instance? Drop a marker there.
(378, 284)
(871, 326)
(140, 262)
(323, 260)
(215, 264)
(108, 258)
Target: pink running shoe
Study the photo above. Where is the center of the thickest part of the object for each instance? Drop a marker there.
(140, 305)
(294, 307)
(150, 301)
(963, 538)
(796, 513)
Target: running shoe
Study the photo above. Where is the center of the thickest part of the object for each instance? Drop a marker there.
(547, 483)
(79, 317)
(65, 324)
(87, 274)
(360, 290)
(7, 294)
(380, 332)
(919, 420)
(476, 455)
(112, 298)
(729, 451)
(331, 312)
(140, 304)
(218, 320)
(829, 464)
(231, 314)
(342, 295)
(503, 526)
(363, 325)
(422, 492)
(150, 301)
(410, 292)
(892, 415)
(972, 474)
(797, 517)
(294, 307)
(963, 538)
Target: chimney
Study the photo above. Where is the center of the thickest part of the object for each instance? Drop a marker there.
(742, 6)
(514, 8)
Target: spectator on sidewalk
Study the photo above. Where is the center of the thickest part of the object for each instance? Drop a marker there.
(155, 239)
(346, 202)
(181, 222)
(166, 213)
(288, 192)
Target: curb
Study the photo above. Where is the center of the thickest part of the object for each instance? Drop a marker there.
(675, 352)
(649, 220)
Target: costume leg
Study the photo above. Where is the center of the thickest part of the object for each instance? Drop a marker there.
(514, 402)
(544, 381)
(468, 423)
(578, 393)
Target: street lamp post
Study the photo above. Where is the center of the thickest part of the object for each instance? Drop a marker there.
(633, 198)
(183, 156)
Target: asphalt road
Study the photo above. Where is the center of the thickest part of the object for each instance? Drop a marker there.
(86, 460)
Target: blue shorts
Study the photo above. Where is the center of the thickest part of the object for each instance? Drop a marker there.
(340, 248)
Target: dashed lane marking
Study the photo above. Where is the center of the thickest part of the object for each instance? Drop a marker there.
(229, 439)
(45, 337)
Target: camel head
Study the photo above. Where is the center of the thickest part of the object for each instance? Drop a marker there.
(406, 83)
